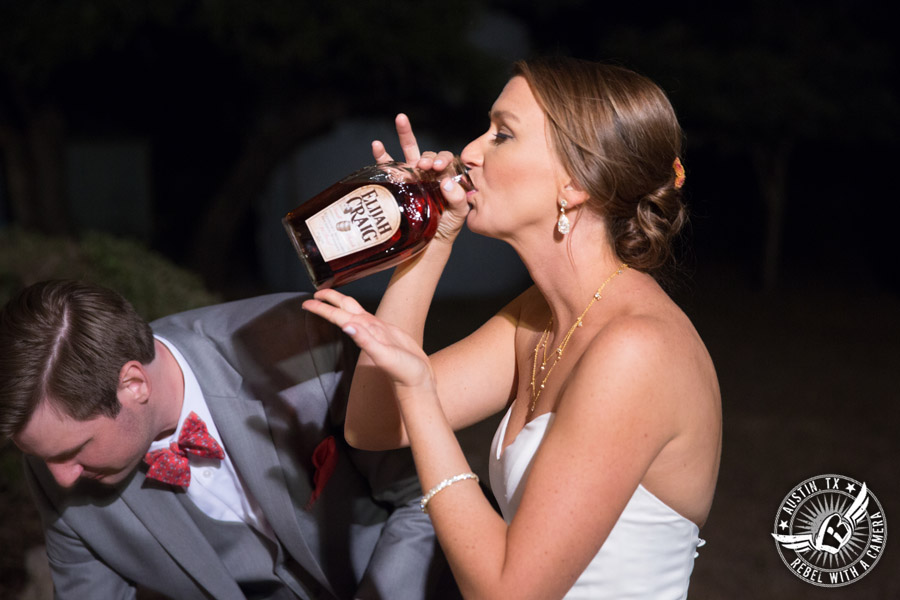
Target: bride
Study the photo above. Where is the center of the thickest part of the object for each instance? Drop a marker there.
(605, 463)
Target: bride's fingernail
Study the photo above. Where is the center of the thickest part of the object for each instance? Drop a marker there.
(350, 330)
(438, 162)
(448, 185)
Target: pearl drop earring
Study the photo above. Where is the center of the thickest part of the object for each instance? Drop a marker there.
(562, 225)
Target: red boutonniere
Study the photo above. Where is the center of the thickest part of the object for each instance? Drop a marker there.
(324, 459)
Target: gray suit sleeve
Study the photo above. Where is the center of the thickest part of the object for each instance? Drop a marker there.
(77, 573)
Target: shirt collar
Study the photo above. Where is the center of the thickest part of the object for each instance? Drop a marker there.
(193, 400)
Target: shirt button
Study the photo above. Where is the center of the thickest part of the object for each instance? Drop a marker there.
(207, 473)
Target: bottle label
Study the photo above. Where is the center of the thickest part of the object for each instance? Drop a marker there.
(361, 219)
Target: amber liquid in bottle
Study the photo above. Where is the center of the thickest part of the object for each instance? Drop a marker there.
(420, 205)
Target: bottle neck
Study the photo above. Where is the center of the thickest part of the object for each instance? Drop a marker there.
(459, 173)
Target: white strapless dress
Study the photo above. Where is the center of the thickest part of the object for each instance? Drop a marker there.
(649, 552)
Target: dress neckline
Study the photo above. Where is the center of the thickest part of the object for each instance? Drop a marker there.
(502, 446)
(548, 416)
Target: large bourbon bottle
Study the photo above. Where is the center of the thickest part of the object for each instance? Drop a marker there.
(369, 221)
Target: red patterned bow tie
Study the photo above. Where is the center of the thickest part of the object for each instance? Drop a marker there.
(170, 465)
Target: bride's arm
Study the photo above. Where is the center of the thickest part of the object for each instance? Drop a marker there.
(616, 412)
(478, 373)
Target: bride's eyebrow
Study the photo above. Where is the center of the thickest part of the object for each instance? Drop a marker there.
(502, 115)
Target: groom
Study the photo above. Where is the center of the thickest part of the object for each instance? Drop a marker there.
(203, 458)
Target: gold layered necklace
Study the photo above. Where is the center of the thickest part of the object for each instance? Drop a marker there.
(541, 346)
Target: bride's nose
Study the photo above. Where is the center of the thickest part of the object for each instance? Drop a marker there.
(471, 154)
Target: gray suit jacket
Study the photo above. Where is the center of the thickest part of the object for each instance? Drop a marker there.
(273, 378)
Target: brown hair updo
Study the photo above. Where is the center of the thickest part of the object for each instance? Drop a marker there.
(617, 136)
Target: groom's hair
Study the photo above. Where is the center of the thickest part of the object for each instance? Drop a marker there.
(65, 342)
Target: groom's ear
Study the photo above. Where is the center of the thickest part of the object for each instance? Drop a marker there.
(134, 384)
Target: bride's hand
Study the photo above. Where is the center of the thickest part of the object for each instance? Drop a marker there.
(454, 217)
(389, 347)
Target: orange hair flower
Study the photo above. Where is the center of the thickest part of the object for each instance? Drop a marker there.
(679, 173)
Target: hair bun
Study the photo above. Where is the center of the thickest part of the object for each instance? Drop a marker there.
(644, 241)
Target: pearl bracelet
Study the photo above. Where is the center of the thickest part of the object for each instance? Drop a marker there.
(444, 484)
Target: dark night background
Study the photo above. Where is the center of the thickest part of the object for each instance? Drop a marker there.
(154, 147)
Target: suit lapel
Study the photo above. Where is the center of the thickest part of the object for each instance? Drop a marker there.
(162, 514)
(245, 426)
(248, 422)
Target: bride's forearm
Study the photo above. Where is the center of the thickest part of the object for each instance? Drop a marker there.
(471, 533)
(373, 421)
(409, 294)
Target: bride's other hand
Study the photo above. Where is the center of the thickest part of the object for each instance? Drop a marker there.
(389, 347)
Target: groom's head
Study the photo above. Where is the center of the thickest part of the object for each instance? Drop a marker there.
(64, 350)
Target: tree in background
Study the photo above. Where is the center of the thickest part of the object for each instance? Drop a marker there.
(760, 82)
(42, 44)
(224, 90)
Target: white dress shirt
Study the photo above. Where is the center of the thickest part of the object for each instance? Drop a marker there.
(216, 488)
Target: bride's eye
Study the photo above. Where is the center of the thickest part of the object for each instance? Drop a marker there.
(499, 138)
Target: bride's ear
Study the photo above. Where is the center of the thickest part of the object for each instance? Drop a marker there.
(573, 194)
